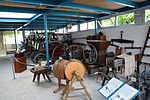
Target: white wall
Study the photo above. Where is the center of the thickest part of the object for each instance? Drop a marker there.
(133, 32)
(82, 34)
(136, 33)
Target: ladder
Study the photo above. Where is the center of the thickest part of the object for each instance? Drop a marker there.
(143, 54)
(144, 47)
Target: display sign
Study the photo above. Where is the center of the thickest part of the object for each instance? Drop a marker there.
(118, 90)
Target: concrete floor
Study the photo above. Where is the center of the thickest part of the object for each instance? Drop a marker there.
(22, 88)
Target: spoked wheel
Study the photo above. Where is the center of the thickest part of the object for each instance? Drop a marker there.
(90, 54)
(103, 78)
(59, 51)
(105, 75)
(100, 76)
(74, 52)
(40, 57)
(33, 54)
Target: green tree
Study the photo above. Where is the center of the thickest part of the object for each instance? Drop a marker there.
(1, 42)
(108, 22)
(10, 33)
(125, 19)
(147, 15)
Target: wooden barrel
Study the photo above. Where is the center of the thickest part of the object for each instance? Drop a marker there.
(59, 69)
(64, 69)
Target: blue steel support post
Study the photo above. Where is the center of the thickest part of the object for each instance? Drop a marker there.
(95, 27)
(15, 39)
(46, 39)
(23, 34)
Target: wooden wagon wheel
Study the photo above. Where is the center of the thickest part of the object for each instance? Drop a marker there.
(90, 54)
(59, 51)
(40, 57)
(33, 54)
(74, 52)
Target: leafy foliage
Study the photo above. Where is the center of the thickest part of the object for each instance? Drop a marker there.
(10, 33)
(2, 52)
(125, 19)
(147, 15)
(1, 42)
(108, 22)
(120, 20)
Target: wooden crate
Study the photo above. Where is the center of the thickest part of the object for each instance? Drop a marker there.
(20, 67)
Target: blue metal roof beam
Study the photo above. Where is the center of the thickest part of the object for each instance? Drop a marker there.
(34, 27)
(40, 23)
(33, 2)
(63, 3)
(50, 3)
(29, 21)
(66, 13)
(125, 2)
(145, 3)
(65, 18)
(38, 15)
(40, 27)
(13, 20)
(49, 26)
(8, 27)
(9, 24)
(21, 10)
(124, 9)
(140, 5)
(55, 21)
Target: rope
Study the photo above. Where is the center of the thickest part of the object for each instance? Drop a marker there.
(15, 59)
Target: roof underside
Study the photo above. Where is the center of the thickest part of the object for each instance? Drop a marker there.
(60, 12)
